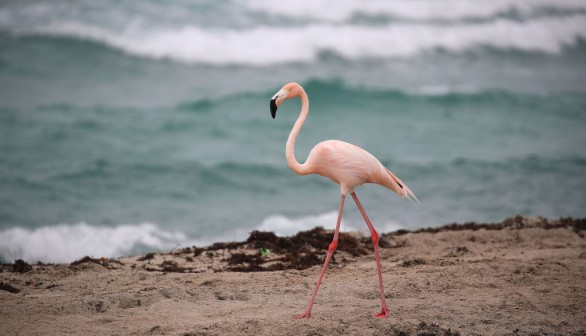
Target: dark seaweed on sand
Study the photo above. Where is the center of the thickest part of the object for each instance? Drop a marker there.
(308, 248)
(20, 266)
(147, 256)
(9, 288)
(314, 240)
(172, 266)
(101, 261)
(512, 223)
(301, 251)
(86, 259)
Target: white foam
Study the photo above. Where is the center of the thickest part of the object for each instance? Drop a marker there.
(320, 25)
(65, 243)
(68, 242)
(270, 45)
(284, 226)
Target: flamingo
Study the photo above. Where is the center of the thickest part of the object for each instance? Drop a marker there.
(347, 165)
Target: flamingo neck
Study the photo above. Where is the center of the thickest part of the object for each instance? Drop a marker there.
(290, 147)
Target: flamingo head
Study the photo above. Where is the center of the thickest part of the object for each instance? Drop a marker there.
(290, 90)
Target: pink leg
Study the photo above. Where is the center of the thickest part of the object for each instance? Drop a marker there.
(384, 309)
(331, 250)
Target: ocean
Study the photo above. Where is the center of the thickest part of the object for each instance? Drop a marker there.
(128, 127)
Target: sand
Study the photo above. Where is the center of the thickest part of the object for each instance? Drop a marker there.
(519, 277)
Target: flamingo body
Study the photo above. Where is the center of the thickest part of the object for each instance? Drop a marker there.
(347, 165)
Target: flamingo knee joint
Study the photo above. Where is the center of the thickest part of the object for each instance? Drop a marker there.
(333, 246)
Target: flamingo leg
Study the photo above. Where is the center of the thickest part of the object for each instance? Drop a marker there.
(331, 250)
(384, 309)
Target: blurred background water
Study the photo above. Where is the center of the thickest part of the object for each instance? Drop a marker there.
(136, 126)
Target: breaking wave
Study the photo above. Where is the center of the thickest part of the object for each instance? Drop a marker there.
(269, 43)
(65, 243)
(282, 225)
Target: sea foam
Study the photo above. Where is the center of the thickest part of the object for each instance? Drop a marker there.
(282, 225)
(65, 243)
(266, 45)
(68, 242)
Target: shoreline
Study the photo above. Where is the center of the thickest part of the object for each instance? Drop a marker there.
(521, 276)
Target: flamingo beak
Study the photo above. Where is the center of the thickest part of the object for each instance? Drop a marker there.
(277, 100)
(273, 108)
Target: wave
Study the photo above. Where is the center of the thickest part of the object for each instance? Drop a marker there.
(65, 243)
(264, 46)
(332, 92)
(422, 10)
(331, 89)
(328, 90)
(494, 181)
(246, 14)
(530, 164)
(282, 225)
(203, 176)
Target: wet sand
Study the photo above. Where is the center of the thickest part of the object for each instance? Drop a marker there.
(519, 277)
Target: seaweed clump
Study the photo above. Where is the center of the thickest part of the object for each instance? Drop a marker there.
(105, 262)
(517, 222)
(172, 266)
(9, 288)
(147, 256)
(303, 250)
(20, 266)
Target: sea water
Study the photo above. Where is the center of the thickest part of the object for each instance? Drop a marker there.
(143, 126)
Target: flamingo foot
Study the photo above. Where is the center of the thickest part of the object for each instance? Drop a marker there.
(384, 313)
(304, 315)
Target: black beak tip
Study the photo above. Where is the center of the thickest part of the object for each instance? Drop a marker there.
(273, 108)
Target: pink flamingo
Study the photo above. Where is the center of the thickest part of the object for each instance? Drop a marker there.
(345, 164)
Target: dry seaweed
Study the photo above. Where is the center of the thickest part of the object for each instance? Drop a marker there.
(171, 266)
(413, 262)
(147, 256)
(303, 250)
(9, 288)
(308, 248)
(20, 266)
(513, 223)
(88, 259)
(239, 258)
(101, 261)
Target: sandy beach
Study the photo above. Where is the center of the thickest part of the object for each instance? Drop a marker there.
(522, 276)
(151, 153)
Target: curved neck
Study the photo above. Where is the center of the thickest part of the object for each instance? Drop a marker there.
(290, 147)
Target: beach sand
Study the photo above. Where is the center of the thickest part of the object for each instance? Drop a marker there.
(519, 277)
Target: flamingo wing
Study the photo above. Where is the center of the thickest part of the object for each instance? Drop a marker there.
(351, 166)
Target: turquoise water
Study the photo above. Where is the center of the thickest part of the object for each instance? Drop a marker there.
(135, 127)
